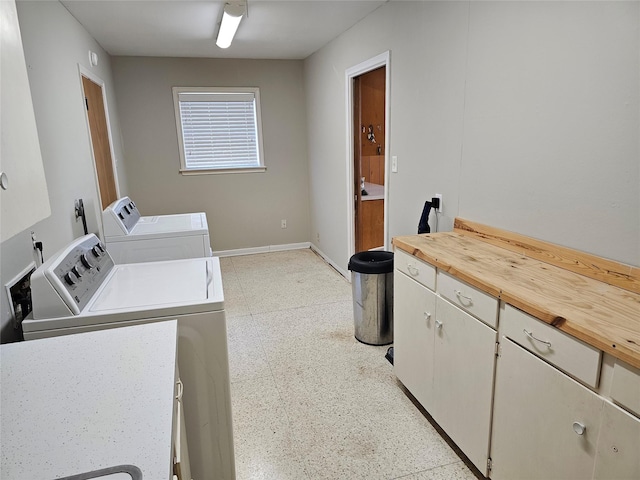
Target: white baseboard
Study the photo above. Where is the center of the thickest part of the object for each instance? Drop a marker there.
(341, 271)
(289, 246)
(281, 248)
(265, 249)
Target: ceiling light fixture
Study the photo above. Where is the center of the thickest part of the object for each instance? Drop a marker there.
(231, 16)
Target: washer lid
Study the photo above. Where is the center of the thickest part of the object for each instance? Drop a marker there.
(193, 223)
(157, 285)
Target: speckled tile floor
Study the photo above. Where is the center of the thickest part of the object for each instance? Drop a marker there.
(309, 401)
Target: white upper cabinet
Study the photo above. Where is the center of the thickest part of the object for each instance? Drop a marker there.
(25, 200)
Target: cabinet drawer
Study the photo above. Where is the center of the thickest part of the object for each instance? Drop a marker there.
(625, 389)
(569, 354)
(470, 299)
(420, 271)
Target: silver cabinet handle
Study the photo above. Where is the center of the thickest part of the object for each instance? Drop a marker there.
(427, 316)
(579, 428)
(180, 390)
(459, 294)
(530, 335)
(438, 324)
(413, 270)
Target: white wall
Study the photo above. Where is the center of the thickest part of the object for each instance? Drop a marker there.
(244, 210)
(524, 115)
(54, 44)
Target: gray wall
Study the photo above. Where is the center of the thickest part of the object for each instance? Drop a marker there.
(54, 44)
(243, 209)
(524, 115)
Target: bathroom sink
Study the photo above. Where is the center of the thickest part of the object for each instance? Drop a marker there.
(119, 472)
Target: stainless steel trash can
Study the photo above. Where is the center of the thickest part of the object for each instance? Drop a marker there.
(372, 287)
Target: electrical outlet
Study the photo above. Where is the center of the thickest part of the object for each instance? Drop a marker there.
(439, 195)
(283, 224)
(394, 164)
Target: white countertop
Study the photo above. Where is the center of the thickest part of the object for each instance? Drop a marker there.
(78, 403)
(375, 191)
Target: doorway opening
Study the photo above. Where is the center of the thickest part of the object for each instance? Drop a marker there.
(100, 136)
(368, 165)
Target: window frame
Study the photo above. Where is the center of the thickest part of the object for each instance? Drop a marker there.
(255, 91)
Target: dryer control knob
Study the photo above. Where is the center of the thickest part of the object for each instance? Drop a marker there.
(96, 251)
(71, 278)
(76, 271)
(85, 261)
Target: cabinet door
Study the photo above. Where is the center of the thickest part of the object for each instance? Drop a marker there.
(618, 453)
(26, 200)
(537, 418)
(463, 380)
(413, 317)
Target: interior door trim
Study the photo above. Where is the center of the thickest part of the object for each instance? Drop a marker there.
(381, 60)
(84, 72)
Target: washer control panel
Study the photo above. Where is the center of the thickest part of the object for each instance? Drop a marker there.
(120, 218)
(126, 213)
(75, 274)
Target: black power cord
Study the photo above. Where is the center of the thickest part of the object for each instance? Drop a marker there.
(38, 246)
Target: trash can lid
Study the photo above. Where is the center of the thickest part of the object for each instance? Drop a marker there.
(372, 262)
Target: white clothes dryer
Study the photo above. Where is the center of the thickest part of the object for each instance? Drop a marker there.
(132, 238)
(80, 289)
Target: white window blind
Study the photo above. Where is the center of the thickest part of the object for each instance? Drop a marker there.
(219, 130)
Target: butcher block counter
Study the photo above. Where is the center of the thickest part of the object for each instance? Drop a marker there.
(590, 298)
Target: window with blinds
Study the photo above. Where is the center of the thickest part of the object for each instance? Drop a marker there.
(218, 129)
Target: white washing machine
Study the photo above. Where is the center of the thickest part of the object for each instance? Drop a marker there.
(80, 289)
(132, 238)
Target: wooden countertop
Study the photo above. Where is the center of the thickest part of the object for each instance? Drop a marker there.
(603, 315)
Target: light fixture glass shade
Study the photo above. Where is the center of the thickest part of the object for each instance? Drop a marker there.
(230, 21)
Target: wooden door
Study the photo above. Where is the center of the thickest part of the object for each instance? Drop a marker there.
(357, 153)
(369, 144)
(100, 142)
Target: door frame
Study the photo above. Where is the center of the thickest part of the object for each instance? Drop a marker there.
(381, 60)
(84, 72)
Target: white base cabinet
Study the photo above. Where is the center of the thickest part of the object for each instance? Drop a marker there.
(545, 424)
(445, 358)
(549, 407)
(463, 380)
(413, 331)
(618, 453)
